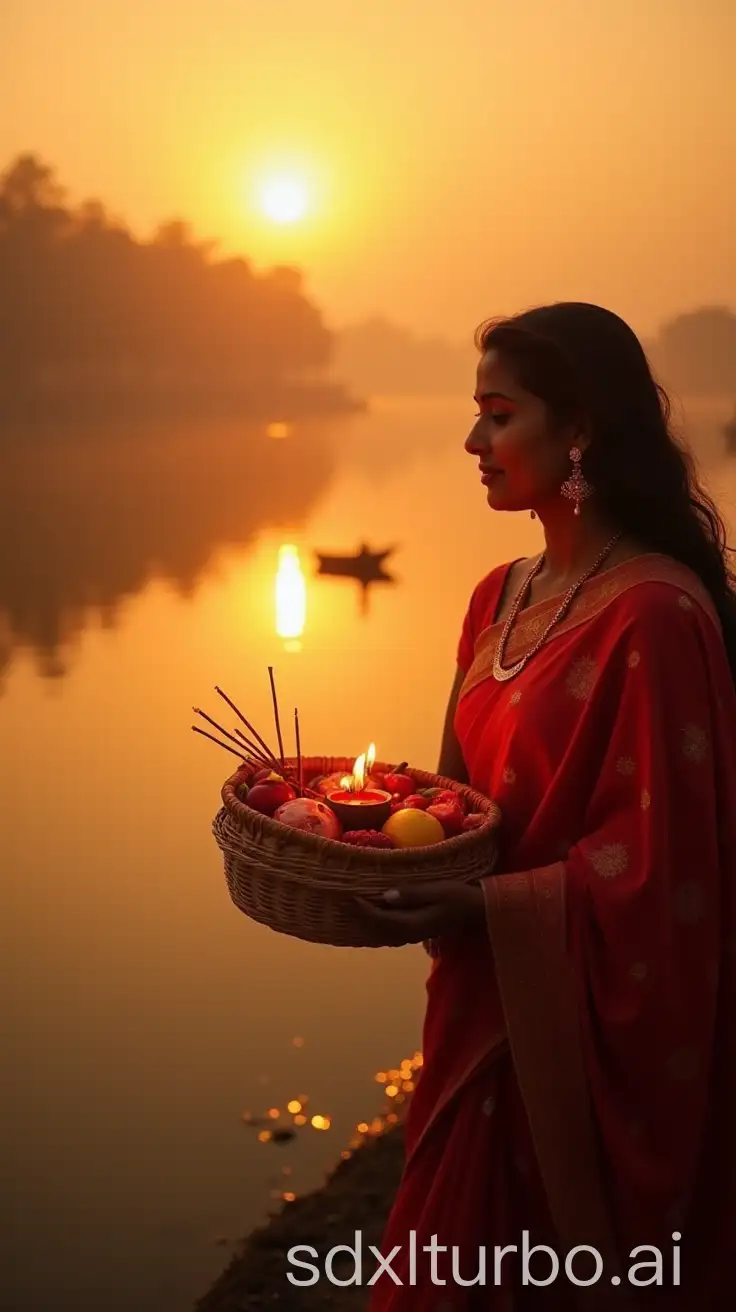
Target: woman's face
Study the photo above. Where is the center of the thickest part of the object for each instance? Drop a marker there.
(523, 458)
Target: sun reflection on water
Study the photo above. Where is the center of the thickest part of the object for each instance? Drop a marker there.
(290, 598)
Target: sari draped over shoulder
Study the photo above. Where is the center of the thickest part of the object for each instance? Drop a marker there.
(579, 1082)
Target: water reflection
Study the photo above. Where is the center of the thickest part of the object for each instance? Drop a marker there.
(88, 519)
(291, 598)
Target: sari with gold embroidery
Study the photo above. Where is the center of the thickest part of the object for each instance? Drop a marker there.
(579, 1081)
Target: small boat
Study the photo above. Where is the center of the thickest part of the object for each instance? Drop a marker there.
(365, 566)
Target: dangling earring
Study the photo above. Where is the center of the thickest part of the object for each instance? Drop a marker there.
(576, 488)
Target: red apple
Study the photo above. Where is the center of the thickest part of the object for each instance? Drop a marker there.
(402, 784)
(449, 815)
(447, 797)
(269, 795)
(474, 821)
(416, 802)
(310, 815)
(260, 775)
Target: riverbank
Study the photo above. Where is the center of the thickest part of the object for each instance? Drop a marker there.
(357, 1195)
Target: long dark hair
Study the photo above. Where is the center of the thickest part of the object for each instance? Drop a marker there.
(582, 360)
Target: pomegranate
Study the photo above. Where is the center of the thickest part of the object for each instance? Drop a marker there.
(311, 815)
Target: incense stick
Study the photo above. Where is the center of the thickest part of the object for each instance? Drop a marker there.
(247, 724)
(256, 752)
(205, 734)
(276, 713)
(216, 726)
(299, 763)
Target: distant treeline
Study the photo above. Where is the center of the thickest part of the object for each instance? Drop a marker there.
(89, 310)
(85, 304)
(694, 353)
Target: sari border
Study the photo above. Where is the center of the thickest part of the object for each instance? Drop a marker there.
(594, 597)
(526, 920)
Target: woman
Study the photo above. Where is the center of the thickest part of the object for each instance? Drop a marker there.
(579, 1085)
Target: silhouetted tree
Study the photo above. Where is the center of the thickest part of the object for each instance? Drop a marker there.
(697, 351)
(86, 304)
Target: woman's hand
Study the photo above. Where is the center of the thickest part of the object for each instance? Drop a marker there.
(427, 910)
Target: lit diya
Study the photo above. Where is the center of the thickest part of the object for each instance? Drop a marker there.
(356, 806)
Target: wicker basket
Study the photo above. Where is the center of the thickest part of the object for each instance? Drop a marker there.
(300, 884)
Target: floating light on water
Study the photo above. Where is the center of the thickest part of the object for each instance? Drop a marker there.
(300, 1120)
(293, 1106)
(291, 597)
(274, 1113)
(265, 1136)
(391, 1090)
(321, 1122)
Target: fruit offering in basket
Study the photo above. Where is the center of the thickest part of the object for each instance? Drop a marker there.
(304, 839)
(366, 808)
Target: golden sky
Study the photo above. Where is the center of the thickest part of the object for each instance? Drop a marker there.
(466, 158)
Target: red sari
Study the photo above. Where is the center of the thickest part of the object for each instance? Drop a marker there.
(579, 1080)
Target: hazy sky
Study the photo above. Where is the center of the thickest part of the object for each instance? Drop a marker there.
(467, 157)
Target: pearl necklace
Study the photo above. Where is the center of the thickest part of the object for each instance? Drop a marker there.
(501, 674)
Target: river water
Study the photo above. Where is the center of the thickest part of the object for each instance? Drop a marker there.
(142, 1014)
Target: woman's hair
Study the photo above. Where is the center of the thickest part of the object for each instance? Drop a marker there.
(585, 362)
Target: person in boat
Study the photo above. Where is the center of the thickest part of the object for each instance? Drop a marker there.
(578, 1090)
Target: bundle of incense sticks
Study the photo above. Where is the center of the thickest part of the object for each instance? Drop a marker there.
(252, 749)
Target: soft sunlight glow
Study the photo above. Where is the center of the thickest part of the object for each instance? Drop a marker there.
(291, 595)
(284, 199)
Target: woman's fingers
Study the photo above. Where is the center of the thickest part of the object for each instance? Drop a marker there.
(419, 895)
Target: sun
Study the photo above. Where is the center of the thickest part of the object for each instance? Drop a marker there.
(284, 199)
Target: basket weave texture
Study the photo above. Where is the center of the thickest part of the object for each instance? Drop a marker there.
(301, 884)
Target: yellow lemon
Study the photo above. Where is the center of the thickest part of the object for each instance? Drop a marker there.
(410, 828)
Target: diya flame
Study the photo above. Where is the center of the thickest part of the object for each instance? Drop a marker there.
(355, 782)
